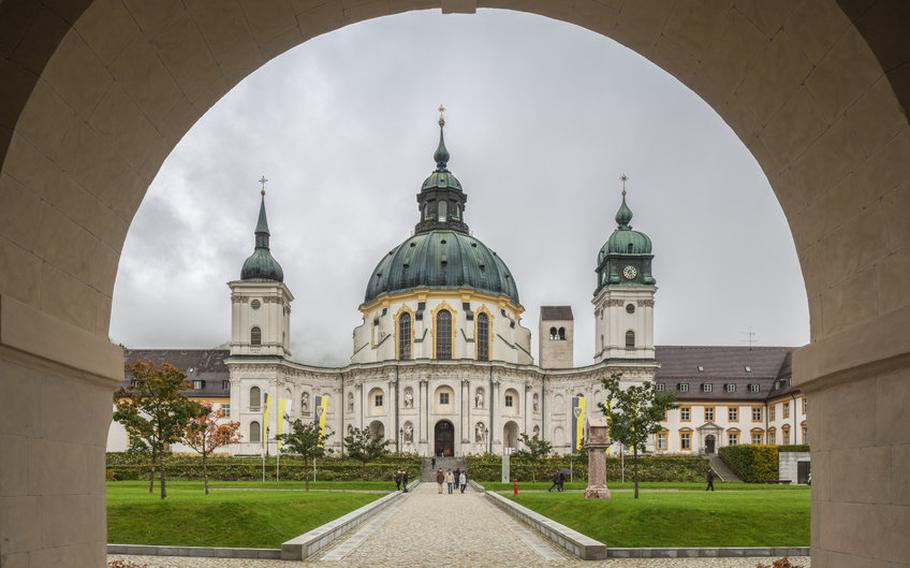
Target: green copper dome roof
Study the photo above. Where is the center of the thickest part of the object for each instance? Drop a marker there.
(624, 240)
(261, 265)
(441, 259)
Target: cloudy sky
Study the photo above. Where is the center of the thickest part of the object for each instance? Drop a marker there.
(543, 119)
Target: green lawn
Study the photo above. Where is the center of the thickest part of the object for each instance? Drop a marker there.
(683, 519)
(257, 519)
(682, 486)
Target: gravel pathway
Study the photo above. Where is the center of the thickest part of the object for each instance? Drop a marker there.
(428, 529)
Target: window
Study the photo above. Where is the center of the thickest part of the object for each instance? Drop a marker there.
(255, 399)
(756, 437)
(255, 433)
(377, 400)
(404, 336)
(805, 435)
(509, 400)
(707, 387)
(630, 339)
(756, 414)
(444, 335)
(255, 336)
(660, 387)
(682, 387)
(630, 308)
(554, 335)
(662, 440)
(771, 412)
(730, 387)
(709, 414)
(562, 334)
(805, 406)
(772, 436)
(733, 414)
(225, 385)
(786, 410)
(483, 337)
(685, 441)
(226, 408)
(786, 435)
(443, 398)
(443, 210)
(732, 438)
(198, 384)
(685, 413)
(754, 388)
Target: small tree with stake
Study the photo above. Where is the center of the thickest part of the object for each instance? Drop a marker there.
(362, 444)
(305, 440)
(206, 433)
(152, 409)
(634, 413)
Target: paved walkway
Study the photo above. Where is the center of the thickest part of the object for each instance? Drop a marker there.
(427, 529)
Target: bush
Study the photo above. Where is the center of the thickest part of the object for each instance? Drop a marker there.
(793, 448)
(779, 563)
(488, 467)
(751, 463)
(122, 466)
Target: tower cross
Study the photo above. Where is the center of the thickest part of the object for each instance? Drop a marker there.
(262, 180)
(442, 118)
(623, 178)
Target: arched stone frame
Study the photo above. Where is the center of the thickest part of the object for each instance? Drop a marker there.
(761, 435)
(483, 310)
(440, 307)
(372, 408)
(814, 90)
(804, 433)
(688, 431)
(666, 434)
(377, 428)
(559, 437)
(515, 409)
(630, 339)
(772, 436)
(255, 336)
(404, 309)
(254, 434)
(785, 439)
(733, 431)
(480, 399)
(407, 440)
(510, 433)
(254, 398)
(438, 407)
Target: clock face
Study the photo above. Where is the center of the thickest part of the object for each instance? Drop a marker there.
(629, 272)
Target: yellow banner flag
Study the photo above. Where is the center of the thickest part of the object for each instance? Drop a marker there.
(265, 420)
(580, 424)
(323, 409)
(282, 410)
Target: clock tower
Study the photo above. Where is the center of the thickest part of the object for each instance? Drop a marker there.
(624, 296)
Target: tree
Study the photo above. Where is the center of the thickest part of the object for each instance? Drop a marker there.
(139, 448)
(364, 445)
(536, 448)
(207, 432)
(307, 441)
(634, 413)
(152, 409)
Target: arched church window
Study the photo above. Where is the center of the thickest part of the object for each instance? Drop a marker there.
(255, 336)
(631, 248)
(444, 335)
(404, 336)
(562, 334)
(483, 337)
(255, 433)
(553, 334)
(630, 339)
(443, 210)
(255, 399)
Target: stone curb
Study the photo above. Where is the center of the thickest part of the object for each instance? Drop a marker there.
(574, 542)
(193, 551)
(719, 552)
(476, 486)
(309, 543)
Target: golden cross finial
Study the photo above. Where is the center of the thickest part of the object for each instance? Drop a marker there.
(262, 180)
(442, 118)
(623, 178)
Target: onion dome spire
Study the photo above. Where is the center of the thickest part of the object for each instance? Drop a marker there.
(441, 200)
(624, 214)
(442, 153)
(261, 265)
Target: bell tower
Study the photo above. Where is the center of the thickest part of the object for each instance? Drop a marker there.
(624, 296)
(260, 301)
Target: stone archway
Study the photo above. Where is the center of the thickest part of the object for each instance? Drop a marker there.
(96, 93)
(444, 439)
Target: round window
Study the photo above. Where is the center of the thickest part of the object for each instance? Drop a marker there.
(630, 308)
(255, 304)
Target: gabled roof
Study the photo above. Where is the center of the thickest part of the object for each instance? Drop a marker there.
(203, 364)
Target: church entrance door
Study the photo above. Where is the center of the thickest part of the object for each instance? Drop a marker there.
(709, 444)
(444, 439)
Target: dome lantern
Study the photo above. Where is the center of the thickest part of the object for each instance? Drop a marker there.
(441, 201)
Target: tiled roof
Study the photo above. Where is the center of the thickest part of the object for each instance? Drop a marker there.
(556, 313)
(767, 367)
(202, 364)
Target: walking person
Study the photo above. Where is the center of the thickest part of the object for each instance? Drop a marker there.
(450, 480)
(555, 479)
(397, 478)
(710, 486)
(404, 480)
(440, 479)
(456, 475)
(462, 480)
(562, 481)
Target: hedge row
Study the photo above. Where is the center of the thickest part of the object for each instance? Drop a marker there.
(753, 463)
(650, 468)
(122, 467)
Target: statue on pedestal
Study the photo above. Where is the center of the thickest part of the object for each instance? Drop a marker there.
(597, 440)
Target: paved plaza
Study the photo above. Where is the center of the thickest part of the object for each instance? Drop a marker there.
(428, 529)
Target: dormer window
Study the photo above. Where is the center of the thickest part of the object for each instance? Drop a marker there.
(707, 387)
(660, 387)
(754, 388)
(682, 387)
(731, 387)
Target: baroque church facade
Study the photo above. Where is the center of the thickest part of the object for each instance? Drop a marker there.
(441, 363)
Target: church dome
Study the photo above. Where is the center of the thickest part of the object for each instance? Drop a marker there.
(624, 240)
(445, 259)
(261, 265)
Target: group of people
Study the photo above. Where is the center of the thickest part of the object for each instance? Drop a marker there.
(559, 480)
(401, 480)
(455, 480)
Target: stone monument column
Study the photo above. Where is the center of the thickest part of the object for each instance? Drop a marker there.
(597, 440)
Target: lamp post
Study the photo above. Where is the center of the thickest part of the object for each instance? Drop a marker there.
(486, 437)
(400, 438)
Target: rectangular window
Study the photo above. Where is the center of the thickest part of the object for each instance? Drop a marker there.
(772, 438)
(659, 387)
(685, 441)
(786, 410)
(733, 414)
(732, 439)
(683, 387)
(756, 414)
(198, 384)
(685, 413)
(662, 440)
(226, 408)
(731, 387)
(707, 387)
(771, 412)
(805, 406)
(756, 438)
(377, 400)
(509, 400)
(709, 414)
(225, 385)
(805, 436)
(443, 398)
(786, 437)
(754, 388)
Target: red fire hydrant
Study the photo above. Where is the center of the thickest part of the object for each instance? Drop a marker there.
(515, 487)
